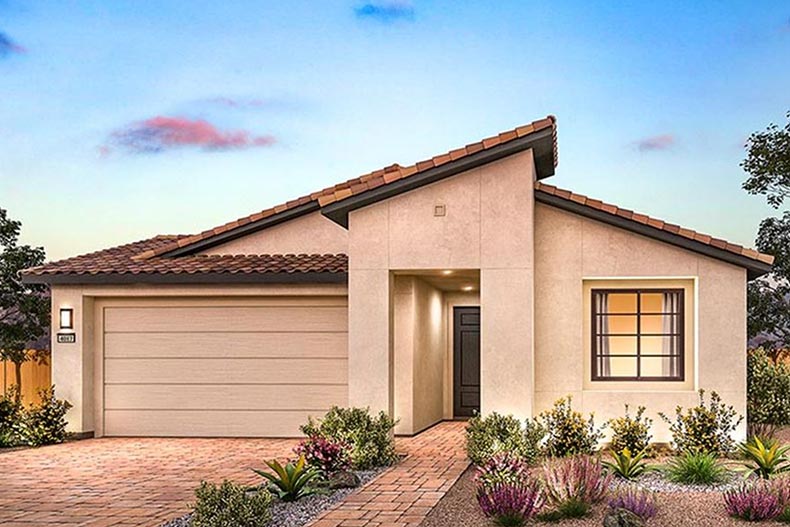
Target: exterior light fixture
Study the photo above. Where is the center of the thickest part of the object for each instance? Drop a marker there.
(447, 272)
(66, 318)
(467, 288)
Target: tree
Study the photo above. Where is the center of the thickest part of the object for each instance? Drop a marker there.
(24, 308)
(768, 165)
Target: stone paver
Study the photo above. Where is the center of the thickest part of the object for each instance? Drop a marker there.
(404, 495)
(144, 482)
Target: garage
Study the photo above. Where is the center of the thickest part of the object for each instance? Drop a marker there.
(220, 366)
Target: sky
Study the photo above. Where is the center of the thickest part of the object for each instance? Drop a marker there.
(125, 119)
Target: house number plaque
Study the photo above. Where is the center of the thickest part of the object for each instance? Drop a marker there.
(67, 338)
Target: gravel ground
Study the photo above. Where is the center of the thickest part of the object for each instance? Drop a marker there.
(298, 513)
(459, 508)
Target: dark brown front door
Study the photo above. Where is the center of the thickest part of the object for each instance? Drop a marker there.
(466, 361)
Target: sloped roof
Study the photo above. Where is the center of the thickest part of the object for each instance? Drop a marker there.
(118, 264)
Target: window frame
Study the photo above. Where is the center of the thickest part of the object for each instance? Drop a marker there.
(681, 334)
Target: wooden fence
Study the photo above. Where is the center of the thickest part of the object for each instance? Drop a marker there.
(35, 376)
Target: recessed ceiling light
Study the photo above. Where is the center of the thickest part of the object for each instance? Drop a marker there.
(467, 288)
(447, 271)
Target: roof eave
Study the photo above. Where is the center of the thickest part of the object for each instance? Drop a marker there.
(186, 278)
(754, 268)
(541, 142)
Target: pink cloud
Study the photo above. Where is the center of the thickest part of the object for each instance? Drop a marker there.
(161, 133)
(657, 142)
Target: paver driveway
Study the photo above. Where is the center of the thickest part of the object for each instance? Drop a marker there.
(145, 482)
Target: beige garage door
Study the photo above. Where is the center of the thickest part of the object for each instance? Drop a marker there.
(219, 367)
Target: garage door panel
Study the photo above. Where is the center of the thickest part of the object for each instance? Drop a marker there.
(224, 397)
(226, 345)
(226, 371)
(206, 423)
(225, 319)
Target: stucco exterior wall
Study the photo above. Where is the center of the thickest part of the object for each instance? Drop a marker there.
(310, 234)
(488, 226)
(570, 250)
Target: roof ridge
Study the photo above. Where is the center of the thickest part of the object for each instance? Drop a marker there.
(653, 222)
(368, 181)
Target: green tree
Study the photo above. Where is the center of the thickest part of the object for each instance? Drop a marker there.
(768, 165)
(24, 308)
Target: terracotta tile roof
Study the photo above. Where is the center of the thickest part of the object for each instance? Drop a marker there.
(121, 260)
(653, 222)
(364, 183)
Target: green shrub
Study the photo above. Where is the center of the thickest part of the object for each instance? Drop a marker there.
(704, 428)
(291, 482)
(11, 414)
(768, 393)
(766, 459)
(568, 433)
(45, 423)
(229, 505)
(626, 466)
(631, 432)
(493, 434)
(370, 438)
(696, 468)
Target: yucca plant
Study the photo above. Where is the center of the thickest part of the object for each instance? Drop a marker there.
(696, 468)
(626, 466)
(292, 481)
(764, 459)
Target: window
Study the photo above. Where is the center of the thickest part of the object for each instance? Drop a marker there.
(637, 335)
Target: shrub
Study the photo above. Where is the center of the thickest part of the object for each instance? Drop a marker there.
(511, 504)
(639, 501)
(696, 468)
(764, 459)
(704, 428)
(11, 413)
(567, 431)
(626, 466)
(502, 468)
(573, 485)
(229, 505)
(631, 432)
(45, 423)
(291, 482)
(495, 433)
(370, 438)
(325, 455)
(753, 502)
(768, 393)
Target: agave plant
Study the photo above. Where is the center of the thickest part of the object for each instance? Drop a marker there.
(292, 481)
(626, 466)
(765, 459)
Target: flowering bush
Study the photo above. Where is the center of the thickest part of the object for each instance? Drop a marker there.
(754, 501)
(502, 468)
(704, 428)
(568, 433)
(494, 433)
(573, 485)
(631, 432)
(511, 504)
(639, 501)
(325, 455)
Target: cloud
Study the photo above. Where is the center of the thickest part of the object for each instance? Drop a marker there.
(161, 133)
(237, 102)
(8, 46)
(386, 10)
(657, 142)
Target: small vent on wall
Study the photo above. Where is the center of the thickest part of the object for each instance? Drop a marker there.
(439, 210)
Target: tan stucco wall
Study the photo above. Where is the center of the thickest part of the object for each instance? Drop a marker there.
(570, 249)
(312, 233)
(487, 226)
(76, 370)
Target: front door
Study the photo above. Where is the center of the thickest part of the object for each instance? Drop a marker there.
(466, 361)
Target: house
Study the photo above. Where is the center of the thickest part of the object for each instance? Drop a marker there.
(459, 284)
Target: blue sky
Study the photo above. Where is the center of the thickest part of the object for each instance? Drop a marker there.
(121, 120)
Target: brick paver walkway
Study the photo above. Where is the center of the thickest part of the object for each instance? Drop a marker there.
(404, 495)
(145, 482)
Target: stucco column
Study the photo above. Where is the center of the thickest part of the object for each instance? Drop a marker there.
(72, 364)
